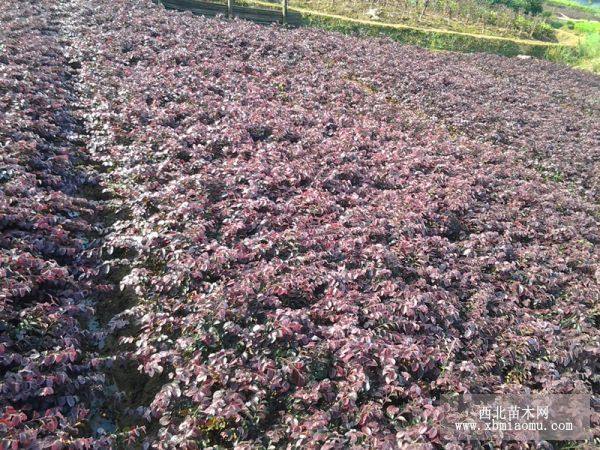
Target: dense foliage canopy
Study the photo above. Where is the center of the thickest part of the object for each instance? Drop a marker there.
(526, 6)
(314, 239)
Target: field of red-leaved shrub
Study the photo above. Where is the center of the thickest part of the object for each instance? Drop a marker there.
(215, 234)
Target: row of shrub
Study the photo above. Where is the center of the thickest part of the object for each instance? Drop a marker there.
(48, 270)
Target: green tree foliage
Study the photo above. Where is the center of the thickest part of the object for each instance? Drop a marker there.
(526, 6)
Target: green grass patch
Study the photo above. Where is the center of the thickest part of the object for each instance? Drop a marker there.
(589, 53)
(587, 26)
(436, 40)
(584, 37)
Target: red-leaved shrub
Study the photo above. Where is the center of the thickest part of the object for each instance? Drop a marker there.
(321, 236)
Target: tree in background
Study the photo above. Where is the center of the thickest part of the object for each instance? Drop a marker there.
(526, 6)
